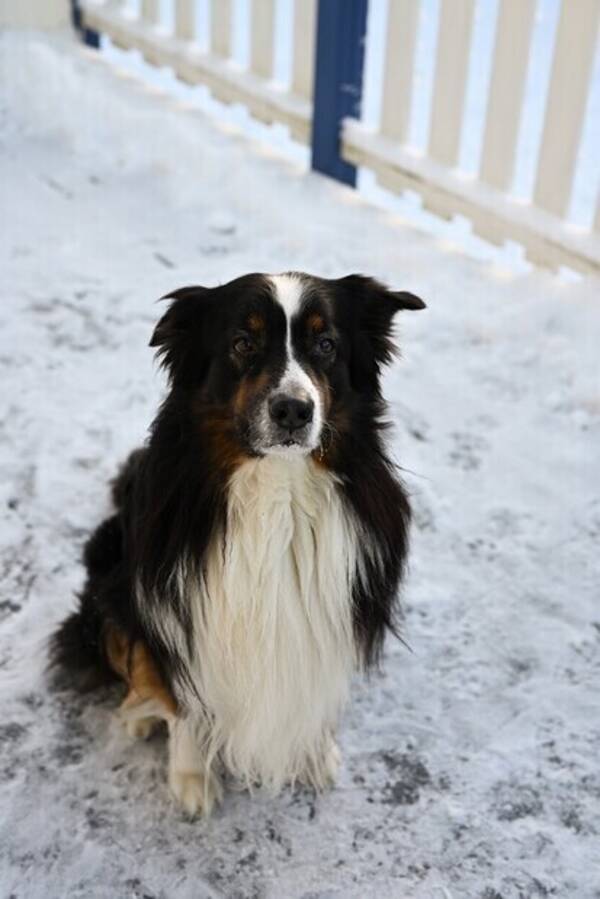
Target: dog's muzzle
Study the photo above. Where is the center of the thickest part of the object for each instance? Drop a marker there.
(290, 421)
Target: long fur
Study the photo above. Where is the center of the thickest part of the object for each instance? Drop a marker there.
(256, 582)
(273, 616)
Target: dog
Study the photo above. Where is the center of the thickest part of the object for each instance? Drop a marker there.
(258, 540)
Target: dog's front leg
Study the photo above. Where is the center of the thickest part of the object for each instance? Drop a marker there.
(321, 770)
(192, 778)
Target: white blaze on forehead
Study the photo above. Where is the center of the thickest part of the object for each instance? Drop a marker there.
(288, 291)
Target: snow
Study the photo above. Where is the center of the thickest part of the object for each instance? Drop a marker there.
(471, 763)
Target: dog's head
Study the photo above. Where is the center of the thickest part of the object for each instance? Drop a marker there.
(280, 364)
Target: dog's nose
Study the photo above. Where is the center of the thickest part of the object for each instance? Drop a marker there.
(290, 413)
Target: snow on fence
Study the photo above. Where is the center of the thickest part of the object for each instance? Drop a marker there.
(321, 106)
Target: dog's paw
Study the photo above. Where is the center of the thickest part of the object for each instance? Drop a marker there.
(139, 718)
(332, 759)
(322, 770)
(141, 728)
(197, 793)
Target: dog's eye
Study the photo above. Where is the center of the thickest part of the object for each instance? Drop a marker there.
(243, 346)
(325, 346)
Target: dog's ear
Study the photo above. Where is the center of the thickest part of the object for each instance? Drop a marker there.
(181, 334)
(374, 307)
(377, 308)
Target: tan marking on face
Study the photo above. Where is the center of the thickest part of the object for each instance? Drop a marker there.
(216, 430)
(256, 323)
(248, 390)
(223, 443)
(134, 663)
(315, 323)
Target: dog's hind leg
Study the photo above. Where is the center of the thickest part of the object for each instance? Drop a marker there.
(142, 718)
(192, 778)
(148, 701)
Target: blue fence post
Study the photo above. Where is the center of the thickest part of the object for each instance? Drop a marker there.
(89, 37)
(341, 29)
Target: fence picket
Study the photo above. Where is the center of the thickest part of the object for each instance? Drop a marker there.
(119, 7)
(507, 86)
(150, 11)
(220, 28)
(262, 28)
(452, 63)
(185, 19)
(305, 20)
(565, 107)
(403, 20)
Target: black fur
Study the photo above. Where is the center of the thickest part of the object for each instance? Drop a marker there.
(171, 495)
(370, 481)
(78, 646)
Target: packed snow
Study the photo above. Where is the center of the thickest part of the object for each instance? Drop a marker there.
(470, 762)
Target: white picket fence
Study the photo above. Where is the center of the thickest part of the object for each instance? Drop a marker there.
(227, 82)
(540, 224)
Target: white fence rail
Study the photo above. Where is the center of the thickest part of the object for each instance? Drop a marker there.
(216, 69)
(540, 223)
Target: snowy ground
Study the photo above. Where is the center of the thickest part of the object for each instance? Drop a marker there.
(471, 764)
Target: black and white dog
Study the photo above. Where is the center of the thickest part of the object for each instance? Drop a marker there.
(258, 540)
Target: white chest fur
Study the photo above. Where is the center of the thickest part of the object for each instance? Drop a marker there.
(273, 620)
